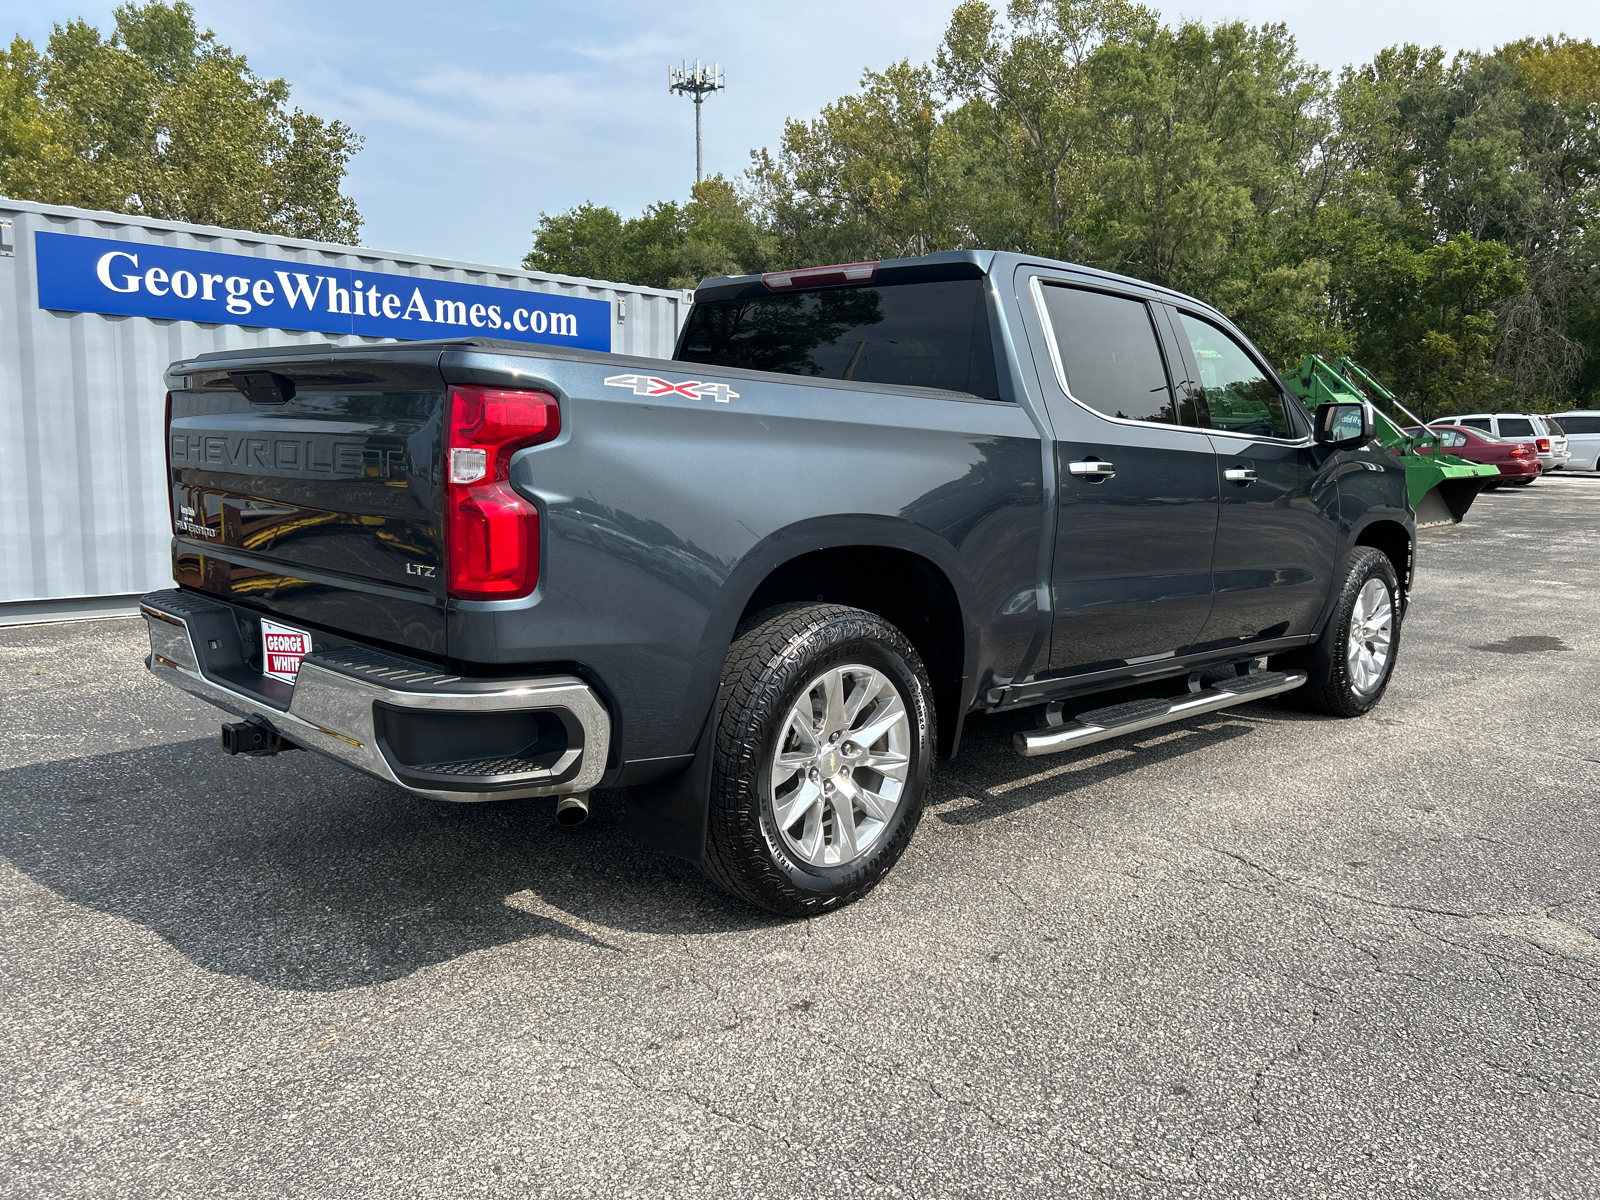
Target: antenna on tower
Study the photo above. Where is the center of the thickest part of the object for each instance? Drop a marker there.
(698, 81)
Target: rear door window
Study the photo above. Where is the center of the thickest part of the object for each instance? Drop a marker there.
(1109, 353)
(1516, 427)
(1476, 423)
(1239, 394)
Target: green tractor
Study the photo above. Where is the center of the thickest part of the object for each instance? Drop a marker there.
(1441, 487)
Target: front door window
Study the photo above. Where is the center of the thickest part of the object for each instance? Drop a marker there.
(1240, 396)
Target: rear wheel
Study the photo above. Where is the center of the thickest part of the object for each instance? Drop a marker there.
(824, 736)
(1523, 482)
(1349, 668)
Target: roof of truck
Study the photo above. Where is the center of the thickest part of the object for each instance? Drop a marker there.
(946, 264)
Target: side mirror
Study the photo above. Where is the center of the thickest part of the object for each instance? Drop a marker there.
(1344, 424)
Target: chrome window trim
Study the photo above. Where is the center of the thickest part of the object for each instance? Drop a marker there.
(1038, 284)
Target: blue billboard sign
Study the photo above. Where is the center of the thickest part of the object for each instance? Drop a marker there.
(140, 279)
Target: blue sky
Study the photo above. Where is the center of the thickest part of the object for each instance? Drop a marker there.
(478, 116)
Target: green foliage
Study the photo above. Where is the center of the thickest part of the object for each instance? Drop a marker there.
(668, 246)
(1433, 215)
(161, 120)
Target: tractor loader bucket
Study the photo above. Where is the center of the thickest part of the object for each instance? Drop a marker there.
(1447, 501)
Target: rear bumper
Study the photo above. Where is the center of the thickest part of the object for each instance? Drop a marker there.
(1520, 468)
(395, 719)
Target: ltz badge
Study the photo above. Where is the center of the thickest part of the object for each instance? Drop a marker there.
(649, 385)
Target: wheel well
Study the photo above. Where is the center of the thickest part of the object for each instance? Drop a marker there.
(902, 588)
(1395, 542)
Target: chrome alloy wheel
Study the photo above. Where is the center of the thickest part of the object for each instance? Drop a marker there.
(840, 768)
(1371, 636)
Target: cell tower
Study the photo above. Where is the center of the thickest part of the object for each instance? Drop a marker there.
(698, 81)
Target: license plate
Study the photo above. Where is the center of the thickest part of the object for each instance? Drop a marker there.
(282, 648)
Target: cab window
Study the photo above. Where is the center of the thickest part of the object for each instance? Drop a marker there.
(1109, 353)
(933, 334)
(1238, 393)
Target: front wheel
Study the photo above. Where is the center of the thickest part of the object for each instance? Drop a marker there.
(1349, 668)
(824, 736)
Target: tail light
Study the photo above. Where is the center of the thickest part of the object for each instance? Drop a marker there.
(492, 533)
(1544, 445)
(1521, 450)
(861, 272)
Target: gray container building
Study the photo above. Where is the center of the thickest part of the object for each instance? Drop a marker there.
(83, 504)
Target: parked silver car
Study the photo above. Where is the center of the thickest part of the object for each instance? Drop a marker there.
(1553, 449)
(1582, 427)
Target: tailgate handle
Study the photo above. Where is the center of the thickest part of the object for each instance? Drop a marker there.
(263, 387)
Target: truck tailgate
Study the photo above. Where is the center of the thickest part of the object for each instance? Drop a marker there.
(309, 487)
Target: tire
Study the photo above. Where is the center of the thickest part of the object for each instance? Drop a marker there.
(775, 695)
(1332, 685)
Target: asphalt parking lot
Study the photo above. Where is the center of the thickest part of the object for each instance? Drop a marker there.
(1257, 954)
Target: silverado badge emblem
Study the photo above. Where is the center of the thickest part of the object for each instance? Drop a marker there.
(649, 385)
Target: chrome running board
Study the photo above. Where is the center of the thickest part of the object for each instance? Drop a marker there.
(1135, 715)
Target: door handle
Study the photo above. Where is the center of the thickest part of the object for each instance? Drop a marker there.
(1093, 469)
(1239, 475)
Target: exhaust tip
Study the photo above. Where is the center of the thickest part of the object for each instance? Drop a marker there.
(572, 810)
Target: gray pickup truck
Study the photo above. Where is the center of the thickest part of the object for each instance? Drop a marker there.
(762, 584)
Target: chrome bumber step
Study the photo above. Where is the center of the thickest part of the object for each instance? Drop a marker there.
(1135, 715)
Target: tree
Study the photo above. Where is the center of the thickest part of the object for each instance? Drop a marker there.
(667, 246)
(161, 120)
(1029, 94)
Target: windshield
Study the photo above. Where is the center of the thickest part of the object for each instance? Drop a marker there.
(933, 335)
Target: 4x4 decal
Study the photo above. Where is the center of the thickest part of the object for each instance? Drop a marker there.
(649, 385)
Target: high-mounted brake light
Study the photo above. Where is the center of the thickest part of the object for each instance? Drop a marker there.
(836, 276)
(491, 532)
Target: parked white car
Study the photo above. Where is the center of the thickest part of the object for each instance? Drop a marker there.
(1552, 443)
(1582, 427)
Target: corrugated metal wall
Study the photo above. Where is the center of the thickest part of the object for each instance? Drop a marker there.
(83, 509)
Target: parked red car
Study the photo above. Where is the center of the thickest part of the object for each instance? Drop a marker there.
(1518, 461)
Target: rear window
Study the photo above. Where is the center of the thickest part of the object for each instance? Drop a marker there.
(1556, 427)
(1571, 424)
(1516, 427)
(933, 335)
